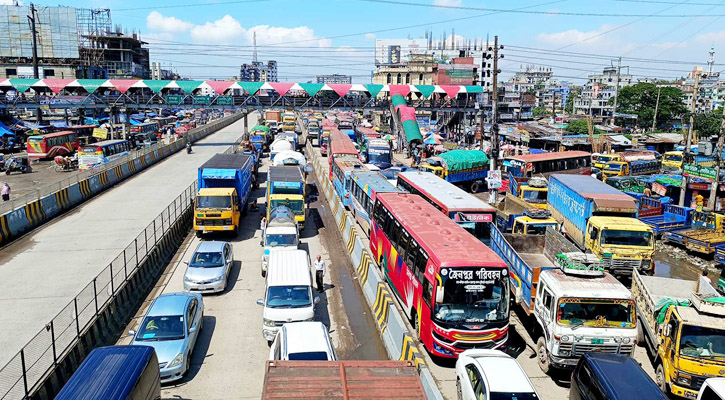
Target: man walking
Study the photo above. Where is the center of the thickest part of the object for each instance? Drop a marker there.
(5, 192)
(319, 273)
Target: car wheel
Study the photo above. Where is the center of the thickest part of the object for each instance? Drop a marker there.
(660, 378)
(459, 390)
(264, 273)
(542, 356)
(188, 365)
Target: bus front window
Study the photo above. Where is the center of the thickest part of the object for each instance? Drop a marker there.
(472, 296)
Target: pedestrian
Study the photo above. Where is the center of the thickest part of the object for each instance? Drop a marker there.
(704, 275)
(320, 273)
(263, 225)
(5, 192)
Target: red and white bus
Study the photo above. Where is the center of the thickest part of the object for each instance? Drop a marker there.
(453, 288)
(340, 147)
(52, 144)
(467, 210)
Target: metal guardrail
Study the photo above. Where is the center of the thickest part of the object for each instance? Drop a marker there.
(27, 368)
(49, 189)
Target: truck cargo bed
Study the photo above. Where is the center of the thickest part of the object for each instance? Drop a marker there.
(659, 287)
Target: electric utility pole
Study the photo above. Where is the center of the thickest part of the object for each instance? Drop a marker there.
(688, 141)
(657, 106)
(32, 19)
(616, 90)
(494, 114)
(718, 151)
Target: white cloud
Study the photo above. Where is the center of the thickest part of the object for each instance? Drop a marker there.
(155, 21)
(447, 3)
(301, 36)
(711, 37)
(370, 36)
(574, 36)
(224, 30)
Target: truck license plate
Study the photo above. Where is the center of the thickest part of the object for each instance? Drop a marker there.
(227, 228)
(597, 341)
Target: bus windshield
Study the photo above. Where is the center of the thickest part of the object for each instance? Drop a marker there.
(702, 342)
(627, 238)
(378, 155)
(595, 312)
(214, 202)
(472, 296)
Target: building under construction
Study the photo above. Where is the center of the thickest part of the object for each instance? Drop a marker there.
(70, 43)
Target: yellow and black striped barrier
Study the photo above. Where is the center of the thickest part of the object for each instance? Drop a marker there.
(410, 352)
(132, 167)
(381, 308)
(103, 178)
(364, 267)
(119, 172)
(85, 188)
(5, 233)
(62, 198)
(34, 212)
(351, 239)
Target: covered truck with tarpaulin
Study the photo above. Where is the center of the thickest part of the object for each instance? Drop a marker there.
(465, 168)
(258, 136)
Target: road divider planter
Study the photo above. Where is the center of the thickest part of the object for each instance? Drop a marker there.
(393, 330)
(36, 211)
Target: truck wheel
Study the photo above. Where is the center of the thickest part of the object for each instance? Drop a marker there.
(475, 187)
(264, 273)
(198, 234)
(244, 210)
(640, 334)
(542, 355)
(660, 378)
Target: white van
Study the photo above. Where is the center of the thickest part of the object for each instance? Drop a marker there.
(281, 233)
(288, 294)
(302, 341)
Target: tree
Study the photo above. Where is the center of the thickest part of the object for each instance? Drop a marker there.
(708, 124)
(641, 99)
(579, 127)
(569, 106)
(538, 111)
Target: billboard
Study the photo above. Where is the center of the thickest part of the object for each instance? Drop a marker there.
(57, 29)
(396, 51)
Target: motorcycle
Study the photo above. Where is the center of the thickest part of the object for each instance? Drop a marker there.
(16, 163)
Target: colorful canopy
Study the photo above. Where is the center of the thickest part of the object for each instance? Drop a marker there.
(251, 88)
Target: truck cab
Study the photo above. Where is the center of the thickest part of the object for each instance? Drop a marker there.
(533, 222)
(623, 243)
(672, 162)
(216, 209)
(615, 168)
(580, 309)
(531, 190)
(602, 160)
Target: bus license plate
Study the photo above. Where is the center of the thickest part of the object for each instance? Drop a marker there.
(597, 341)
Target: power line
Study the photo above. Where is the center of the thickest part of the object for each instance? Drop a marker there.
(200, 4)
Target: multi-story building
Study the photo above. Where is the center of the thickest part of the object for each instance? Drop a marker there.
(122, 55)
(417, 71)
(460, 71)
(334, 78)
(257, 71)
(594, 99)
(553, 96)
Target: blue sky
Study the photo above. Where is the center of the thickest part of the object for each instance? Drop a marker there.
(210, 38)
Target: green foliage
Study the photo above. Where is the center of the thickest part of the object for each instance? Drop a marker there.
(641, 99)
(579, 127)
(538, 111)
(569, 106)
(708, 124)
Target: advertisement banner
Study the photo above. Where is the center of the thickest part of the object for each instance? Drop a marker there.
(659, 189)
(99, 133)
(699, 171)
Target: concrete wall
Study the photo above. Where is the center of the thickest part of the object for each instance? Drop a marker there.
(398, 343)
(23, 219)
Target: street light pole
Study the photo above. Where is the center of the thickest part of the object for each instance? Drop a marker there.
(688, 141)
(657, 106)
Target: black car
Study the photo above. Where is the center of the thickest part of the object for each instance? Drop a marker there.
(600, 376)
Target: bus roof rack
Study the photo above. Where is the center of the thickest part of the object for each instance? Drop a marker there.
(538, 182)
(537, 213)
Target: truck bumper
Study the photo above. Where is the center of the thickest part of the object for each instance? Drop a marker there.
(563, 363)
(683, 392)
(214, 228)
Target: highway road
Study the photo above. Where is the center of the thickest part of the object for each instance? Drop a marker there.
(42, 271)
(228, 360)
(521, 345)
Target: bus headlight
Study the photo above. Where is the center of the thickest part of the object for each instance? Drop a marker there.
(626, 340)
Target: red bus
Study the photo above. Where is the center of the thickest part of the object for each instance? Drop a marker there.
(52, 144)
(467, 210)
(453, 288)
(340, 147)
(82, 131)
(562, 162)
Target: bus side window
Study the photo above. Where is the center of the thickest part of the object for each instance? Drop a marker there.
(403, 247)
(395, 238)
(420, 263)
(427, 292)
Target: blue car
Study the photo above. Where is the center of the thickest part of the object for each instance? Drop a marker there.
(171, 326)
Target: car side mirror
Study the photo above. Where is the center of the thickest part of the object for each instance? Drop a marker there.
(666, 330)
(192, 329)
(439, 295)
(260, 302)
(317, 299)
(131, 332)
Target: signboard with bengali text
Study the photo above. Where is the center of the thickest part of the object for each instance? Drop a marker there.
(699, 171)
(100, 133)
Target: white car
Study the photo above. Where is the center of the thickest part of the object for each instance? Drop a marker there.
(712, 389)
(304, 341)
(491, 374)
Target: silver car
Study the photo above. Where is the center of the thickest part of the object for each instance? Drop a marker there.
(209, 267)
(171, 326)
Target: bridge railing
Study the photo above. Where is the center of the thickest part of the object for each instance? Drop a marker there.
(20, 377)
(36, 194)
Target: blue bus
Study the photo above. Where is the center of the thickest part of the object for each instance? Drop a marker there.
(99, 153)
(342, 177)
(364, 189)
(378, 152)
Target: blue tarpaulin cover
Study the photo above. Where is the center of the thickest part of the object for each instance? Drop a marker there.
(4, 130)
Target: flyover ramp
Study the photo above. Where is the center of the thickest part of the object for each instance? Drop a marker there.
(42, 271)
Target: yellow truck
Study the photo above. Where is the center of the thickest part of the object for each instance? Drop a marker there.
(681, 323)
(514, 215)
(224, 186)
(531, 190)
(672, 162)
(286, 187)
(289, 121)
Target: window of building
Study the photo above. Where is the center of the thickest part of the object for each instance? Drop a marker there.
(49, 72)
(390, 79)
(400, 79)
(420, 78)
(10, 71)
(407, 78)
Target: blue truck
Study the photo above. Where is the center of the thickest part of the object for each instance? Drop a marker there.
(465, 168)
(671, 218)
(224, 185)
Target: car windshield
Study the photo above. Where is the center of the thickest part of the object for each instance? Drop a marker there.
(702, 342)
(627, 238)
(207, 260)
(281, 240)
(288, 297)
(538, 229)
(513, 396)
(156, 328)
(596, 312)
(295, 205)
(214, 202)
(535, 196)
(473, 296)
(308, 356)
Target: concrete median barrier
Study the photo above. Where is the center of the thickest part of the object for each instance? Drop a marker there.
(397, 339)
(41, 209)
